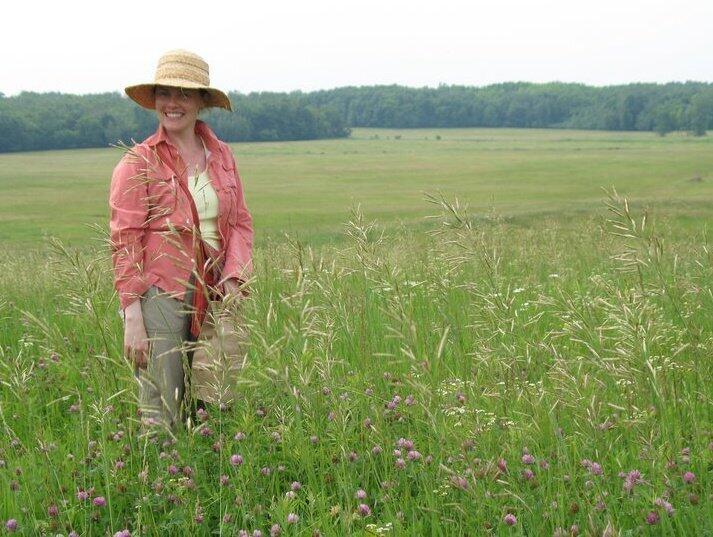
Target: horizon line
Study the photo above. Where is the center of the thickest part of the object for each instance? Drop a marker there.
(395, 84)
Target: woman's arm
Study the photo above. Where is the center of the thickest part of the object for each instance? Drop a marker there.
(129, 212)
(238, 259)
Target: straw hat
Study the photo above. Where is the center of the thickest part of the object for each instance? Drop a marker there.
(179, 69)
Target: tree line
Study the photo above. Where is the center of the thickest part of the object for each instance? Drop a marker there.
(32, 121)
(36, 121)
(644, 107)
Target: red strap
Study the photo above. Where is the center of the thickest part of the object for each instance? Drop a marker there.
(206, 276)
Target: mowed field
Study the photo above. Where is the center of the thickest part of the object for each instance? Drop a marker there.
(308, 188)
(538, 363)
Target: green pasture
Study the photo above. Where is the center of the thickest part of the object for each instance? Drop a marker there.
(308, 188)
(538, 364)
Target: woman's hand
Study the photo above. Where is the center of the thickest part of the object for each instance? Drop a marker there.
(136, 345)
(232, 288)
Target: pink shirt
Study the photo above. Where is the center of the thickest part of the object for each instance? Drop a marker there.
(151, 220)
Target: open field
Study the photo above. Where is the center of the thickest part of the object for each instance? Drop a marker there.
(525, 368)
(309, 187)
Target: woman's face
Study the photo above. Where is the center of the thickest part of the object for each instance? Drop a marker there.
(177, 108)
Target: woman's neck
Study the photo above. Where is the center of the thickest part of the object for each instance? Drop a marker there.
(185, 140)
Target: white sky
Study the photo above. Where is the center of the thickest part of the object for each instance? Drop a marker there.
(95, 46)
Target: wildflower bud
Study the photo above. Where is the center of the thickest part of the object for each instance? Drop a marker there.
(292, 518)
(275, 530)
(11, 525)
(360, 494)
(689, 477)
(99, 501)
(236, 460)
(239, 436)
(52, 511)
(528, 459)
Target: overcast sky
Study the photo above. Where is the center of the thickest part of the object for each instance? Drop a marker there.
(87, 47)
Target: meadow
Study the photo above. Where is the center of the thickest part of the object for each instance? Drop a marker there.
(452, 332)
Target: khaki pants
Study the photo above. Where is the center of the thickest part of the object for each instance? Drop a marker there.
(162, 384)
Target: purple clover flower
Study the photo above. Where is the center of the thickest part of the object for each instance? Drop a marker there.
(666, 506)
(413, 455)
(99, 501)
(652, 518)
(510, 519)
(364, 510)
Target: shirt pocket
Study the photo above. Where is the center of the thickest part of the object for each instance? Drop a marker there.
(162, 198)
(228, 199)
(229, 194)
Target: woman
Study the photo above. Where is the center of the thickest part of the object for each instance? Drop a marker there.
(180, 230)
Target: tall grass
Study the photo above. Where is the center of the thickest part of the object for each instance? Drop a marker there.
(482, 378)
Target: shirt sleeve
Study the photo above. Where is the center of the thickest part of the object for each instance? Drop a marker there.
(238, 259)
(128, 215)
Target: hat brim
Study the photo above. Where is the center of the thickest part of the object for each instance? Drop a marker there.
(143, 94)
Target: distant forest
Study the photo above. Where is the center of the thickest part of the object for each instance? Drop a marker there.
(33, 121)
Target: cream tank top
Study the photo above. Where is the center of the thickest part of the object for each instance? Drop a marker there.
(206, 201)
